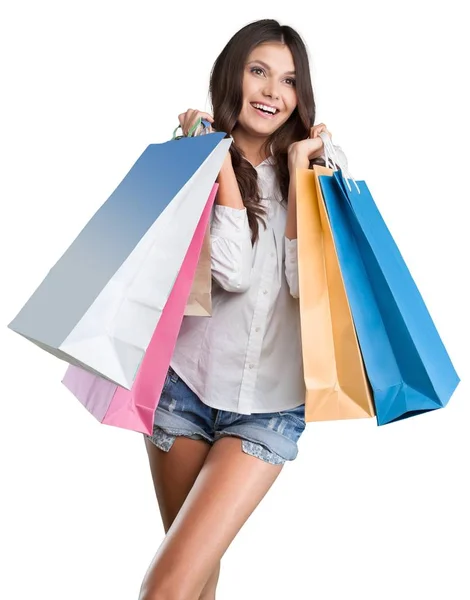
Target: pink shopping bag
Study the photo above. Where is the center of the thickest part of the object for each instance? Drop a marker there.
(134, 409)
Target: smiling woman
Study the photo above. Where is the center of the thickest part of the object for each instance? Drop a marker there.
(262, 81)
(233, 406)
(265, 66)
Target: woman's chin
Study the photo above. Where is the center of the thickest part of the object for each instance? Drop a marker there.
(258, 129)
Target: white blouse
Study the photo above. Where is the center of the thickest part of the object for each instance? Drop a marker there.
(246, 357)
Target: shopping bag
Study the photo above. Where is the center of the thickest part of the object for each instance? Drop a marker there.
(134, 409)
(99, 305)
(200, 299)
(335, 379)
(406, 362)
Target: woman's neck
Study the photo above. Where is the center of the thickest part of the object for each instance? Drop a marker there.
(253, 148)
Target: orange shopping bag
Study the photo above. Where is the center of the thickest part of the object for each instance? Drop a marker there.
(335, 378)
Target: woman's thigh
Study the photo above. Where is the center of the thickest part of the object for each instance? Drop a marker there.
(227, 490)
(174, 473)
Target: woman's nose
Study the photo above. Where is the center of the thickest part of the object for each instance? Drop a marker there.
(271, 90)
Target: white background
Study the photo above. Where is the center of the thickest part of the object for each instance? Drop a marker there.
(364, 512)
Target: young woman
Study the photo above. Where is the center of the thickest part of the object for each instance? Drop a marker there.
(232, 408)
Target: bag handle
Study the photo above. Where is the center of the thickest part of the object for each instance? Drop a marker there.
(193, 131)
(336, 156)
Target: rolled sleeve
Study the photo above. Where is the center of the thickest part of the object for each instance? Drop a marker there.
(231, 248)
(291, 267)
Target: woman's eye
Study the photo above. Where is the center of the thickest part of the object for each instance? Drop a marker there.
(290, 82)
(257, 70)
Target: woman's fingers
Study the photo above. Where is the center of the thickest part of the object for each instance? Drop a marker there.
(188, 119)
(301, 153)
(184, 120)
(206, 116)
(320, 128)
(201, 115)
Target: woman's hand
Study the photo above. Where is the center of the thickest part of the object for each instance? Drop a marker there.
(189, 118)
(301, 153)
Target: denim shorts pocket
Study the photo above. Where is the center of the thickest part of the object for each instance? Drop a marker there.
(296, 415)
(170, 377)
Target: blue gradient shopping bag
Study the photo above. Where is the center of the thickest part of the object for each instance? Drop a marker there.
(406, 362)
(100, 303)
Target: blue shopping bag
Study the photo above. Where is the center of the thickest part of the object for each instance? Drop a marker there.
(100, 303)
(408, 367)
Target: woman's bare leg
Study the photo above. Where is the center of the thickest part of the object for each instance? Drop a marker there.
(227, 490)
(173, 475)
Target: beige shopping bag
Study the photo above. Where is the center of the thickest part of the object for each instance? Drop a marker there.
(199, 302)
(335, 378)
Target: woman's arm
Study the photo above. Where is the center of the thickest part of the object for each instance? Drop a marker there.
(291, 262)
(229, 192)
(299, 156)
(231, 247)
(291, 223)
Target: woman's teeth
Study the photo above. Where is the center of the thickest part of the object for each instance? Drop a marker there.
(266, 109)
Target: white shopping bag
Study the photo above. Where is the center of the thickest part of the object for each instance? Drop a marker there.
(100, 304)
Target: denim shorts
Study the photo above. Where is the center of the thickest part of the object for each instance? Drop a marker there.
(271, 437)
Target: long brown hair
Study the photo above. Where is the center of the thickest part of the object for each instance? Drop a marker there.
(226, 94)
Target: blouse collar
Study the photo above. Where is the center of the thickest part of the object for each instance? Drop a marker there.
(267, 161)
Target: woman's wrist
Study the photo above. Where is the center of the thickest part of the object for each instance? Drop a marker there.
(296, 159)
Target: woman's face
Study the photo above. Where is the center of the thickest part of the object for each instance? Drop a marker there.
(269, 94)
